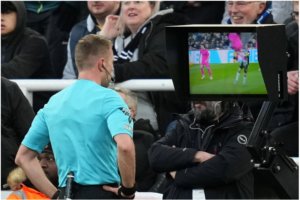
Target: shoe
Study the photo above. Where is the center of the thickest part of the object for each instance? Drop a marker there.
(211, 78)
(244, 83)
(235, 81)
(203, 77)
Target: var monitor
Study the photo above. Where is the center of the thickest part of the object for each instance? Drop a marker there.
(227, 62)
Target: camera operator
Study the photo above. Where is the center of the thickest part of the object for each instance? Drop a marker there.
(204, 155)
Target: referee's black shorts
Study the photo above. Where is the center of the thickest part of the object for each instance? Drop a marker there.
(89, 192)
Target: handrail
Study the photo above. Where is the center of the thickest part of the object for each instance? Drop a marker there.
(34, 85)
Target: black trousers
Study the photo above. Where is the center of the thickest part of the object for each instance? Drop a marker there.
(89, 192)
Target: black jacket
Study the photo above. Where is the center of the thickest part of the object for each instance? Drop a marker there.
(228, 175)
(25, 55)
(152, 64)
(16, 118)
(24, 52)
(144, 125)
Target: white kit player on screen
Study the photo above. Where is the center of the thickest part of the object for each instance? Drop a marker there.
(244, 59)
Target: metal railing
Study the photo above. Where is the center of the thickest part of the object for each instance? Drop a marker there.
(34, 85)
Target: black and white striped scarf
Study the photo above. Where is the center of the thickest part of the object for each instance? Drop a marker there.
(128, 51)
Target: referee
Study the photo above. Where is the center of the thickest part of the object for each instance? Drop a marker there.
(90, 128)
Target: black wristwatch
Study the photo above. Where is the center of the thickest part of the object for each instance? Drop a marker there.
(127, 191)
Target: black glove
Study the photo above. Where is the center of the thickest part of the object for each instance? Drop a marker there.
(68, 16)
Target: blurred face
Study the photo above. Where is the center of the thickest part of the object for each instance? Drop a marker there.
(246, 47)
(108, 64)
(103, 8)
(202, 47)
(135, 13)
(48, 164)
(8, 22)
(206, 111)
(296, 12)
(124, 98)
(244, 12)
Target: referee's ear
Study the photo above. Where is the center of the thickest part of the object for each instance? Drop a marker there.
(100, 65)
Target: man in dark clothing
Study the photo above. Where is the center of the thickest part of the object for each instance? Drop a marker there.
(286, 116)
(206, 151)
(24, 53)
(16, 118)
(54, 20)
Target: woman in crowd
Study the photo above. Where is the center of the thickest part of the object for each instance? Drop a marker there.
(139, 48)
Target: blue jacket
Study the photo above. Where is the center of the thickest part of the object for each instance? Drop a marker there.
(80, 30)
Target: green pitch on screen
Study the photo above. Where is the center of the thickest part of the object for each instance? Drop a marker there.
(224, 76)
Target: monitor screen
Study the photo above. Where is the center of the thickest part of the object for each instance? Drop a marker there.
(224, 63)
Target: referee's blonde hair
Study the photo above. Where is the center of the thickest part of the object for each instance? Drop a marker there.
(88, 46)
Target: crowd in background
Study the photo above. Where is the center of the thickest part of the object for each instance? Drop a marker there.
(215, 41)
(43, 47)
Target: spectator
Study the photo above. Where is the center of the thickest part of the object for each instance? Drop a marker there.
(16, 118)
(93, 149)
(24, 53)
(94, 23)
(143, 37)
(131, 100)
(285, 121)
(54, 20)
(17, 179)
(206, 151)
(249, 12)
(143, 136)
(280, 11)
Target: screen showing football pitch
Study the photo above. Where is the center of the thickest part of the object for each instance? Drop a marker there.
(224, 63)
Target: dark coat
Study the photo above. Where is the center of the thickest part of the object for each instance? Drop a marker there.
(16, 118)
(25, 55)
(144, 125)
(228, 175)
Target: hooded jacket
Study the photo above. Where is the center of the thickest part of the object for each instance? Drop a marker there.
(227, 175)
(24, 52)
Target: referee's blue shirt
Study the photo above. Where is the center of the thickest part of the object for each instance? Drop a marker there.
(81, 122)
